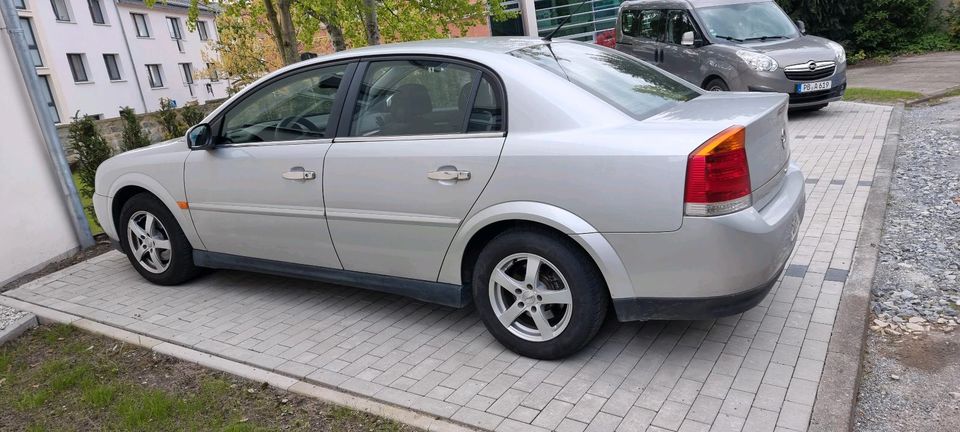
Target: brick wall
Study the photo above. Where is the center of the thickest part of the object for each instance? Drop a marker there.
(112, 129)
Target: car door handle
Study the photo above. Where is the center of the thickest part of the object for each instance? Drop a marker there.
(299, 174)
(448, 175)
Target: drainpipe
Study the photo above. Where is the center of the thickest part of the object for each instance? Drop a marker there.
(47, 129)
(133, 63)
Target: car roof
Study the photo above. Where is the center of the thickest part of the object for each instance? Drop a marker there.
(691, 4)
(468, 48)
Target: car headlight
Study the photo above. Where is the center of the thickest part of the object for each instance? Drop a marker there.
(758, 62)
(841, 54)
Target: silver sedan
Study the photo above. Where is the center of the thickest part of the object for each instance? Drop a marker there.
(542, 181)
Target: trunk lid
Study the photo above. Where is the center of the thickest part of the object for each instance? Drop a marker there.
(764, 115)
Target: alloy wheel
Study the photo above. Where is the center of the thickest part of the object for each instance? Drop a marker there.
(149, 242)
(530, 297)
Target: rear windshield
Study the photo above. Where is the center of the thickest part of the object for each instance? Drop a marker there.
(622, 81)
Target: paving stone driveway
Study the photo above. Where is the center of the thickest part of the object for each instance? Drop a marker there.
(755, 371)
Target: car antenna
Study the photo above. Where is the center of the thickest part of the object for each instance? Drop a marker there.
(549, 37)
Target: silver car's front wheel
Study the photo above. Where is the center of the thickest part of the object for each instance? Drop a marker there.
(530, 297)
(149, 242)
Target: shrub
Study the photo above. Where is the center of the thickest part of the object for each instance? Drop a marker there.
(92, 150)
(831, 19)
(951, 18)
(191, 114)
(891, 25)
(167, 116)
(133, 134)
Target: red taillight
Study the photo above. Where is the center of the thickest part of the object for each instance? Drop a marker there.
(718, 177)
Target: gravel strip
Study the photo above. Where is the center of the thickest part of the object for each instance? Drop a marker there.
(9, 315)
(916, 287)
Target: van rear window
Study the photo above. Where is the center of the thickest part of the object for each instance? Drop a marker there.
(622, 81)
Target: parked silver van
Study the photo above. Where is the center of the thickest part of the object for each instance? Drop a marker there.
(735, 45)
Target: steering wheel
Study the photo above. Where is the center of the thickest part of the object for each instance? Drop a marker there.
(297, 123)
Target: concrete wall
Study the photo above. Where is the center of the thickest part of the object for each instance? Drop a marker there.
(35, 226)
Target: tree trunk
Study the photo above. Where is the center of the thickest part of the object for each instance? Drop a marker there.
(370, 23)
(281, 25)
(336, 36)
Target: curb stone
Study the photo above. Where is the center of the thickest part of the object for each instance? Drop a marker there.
(273, 378)
(932, 96)
(19, 326)
(834, 406)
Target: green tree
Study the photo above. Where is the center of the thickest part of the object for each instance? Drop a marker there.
(133, 134)
(91, 148)
(169, 120)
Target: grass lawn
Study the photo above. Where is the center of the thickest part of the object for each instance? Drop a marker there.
(863, 94)
(57, 378)
(87, 207)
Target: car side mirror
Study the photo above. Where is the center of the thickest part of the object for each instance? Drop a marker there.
(802, 27)
(687, 39)
(200, 137)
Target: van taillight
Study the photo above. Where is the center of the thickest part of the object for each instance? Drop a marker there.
(718, 177)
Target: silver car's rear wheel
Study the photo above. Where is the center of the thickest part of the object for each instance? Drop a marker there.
(530, 297)
(149, 242)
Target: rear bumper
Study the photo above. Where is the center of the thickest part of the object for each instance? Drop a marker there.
(711, 266)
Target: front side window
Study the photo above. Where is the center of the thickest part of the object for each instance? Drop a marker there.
(60, 10)
(621, 80)
(96, 11)
(651, 24)
(678, 23)
(155, 75)
(202, 30)
(113, 66)
(78, 67)
(31, 38)
(747, 22)
(628, 23)
(424, 97)
(140, 22)
(295, 107)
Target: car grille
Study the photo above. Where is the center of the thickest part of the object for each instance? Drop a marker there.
(810, 71)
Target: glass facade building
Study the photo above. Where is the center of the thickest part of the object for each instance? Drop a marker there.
(590, 20)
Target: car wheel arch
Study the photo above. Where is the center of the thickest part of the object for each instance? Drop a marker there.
(129, 185)
(486, 224)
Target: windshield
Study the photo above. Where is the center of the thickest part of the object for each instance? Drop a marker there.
(622, 81)
(748, 22)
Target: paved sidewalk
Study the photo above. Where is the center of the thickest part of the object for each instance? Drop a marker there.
(758, 371)
(926, 74)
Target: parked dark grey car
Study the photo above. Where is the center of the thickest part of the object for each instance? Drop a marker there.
(737, 45)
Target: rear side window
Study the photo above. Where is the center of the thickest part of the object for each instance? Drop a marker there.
(622, 81)
(651, 24)
(628, 23)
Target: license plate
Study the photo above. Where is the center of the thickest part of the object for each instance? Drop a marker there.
(814, 86)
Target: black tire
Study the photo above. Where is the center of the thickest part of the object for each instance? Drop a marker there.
(716, 84)
(179, 259)
(588, 291)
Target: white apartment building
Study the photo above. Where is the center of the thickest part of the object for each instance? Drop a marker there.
(96, 56)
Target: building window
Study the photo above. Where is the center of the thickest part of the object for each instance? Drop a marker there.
(20, 4)
(78, 67)
(45, 83)
(187, 73)
(212, 71)
(140, 22)
(113, 66)
(31, 38)
(156, 78)
(202, 30)
(96, 11)
(174, 26)
(60, 10)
